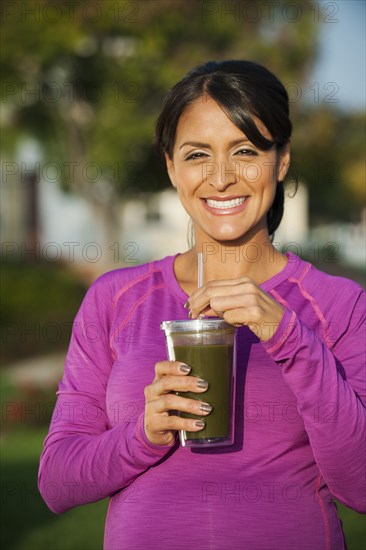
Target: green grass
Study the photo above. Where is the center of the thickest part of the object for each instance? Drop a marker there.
(38, 305)
(29, 525)
(27, 522)
(354, 527)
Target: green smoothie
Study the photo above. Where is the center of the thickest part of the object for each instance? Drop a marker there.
(212, 363)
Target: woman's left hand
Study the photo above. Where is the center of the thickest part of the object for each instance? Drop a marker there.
(239, 302)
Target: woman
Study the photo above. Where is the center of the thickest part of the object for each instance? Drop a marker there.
(224, 131)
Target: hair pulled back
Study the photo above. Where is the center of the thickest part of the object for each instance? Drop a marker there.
(244, 90)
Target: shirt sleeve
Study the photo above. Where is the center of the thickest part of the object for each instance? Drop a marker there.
(84, 460)
(329, 386)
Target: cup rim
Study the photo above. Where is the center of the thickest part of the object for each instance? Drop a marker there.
(196, 325)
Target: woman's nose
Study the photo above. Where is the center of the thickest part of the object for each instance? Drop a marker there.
(221, 174)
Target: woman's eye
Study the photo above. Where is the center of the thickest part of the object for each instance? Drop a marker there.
(241, 152)
(194, 156)
(247, 153)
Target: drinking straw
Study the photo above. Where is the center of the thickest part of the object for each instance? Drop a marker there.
(200, 269)
(200, 276)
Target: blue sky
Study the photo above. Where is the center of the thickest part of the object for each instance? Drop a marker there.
(342, 55)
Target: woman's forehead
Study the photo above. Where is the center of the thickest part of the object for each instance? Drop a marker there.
(205, 112)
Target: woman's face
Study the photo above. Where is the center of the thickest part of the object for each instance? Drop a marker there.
(225, 183)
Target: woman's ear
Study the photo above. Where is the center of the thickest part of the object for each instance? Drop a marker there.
(170, 169)
(283, 162)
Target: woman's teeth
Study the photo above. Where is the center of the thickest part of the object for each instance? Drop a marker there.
(225, 204)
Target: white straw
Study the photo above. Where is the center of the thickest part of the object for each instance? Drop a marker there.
(200, 270)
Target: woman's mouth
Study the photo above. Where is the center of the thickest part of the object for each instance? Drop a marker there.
(220, 206)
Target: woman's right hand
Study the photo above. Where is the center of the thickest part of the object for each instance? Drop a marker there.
(160, 399)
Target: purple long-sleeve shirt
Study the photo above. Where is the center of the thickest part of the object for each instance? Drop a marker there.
(300, 420)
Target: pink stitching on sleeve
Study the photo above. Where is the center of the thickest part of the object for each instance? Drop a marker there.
(319, 314)
(137, 304)
(314, 305)
(279, 298)
(284, 335)
(300, 278)
(132, 283)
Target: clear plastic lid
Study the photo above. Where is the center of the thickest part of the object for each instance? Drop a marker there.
(196, 325)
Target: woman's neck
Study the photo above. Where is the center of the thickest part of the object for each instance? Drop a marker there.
(257, 259)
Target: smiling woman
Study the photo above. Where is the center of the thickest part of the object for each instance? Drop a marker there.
(224, 132)
(252, 98)
(226, 183)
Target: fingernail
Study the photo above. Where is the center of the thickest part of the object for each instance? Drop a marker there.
(199, 424)
(202, 384)
(190, 314)
(201, 316)
(186, 305)
(184, 368)
(205, 407)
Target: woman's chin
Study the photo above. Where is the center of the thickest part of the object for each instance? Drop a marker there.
(226, 237)
(228, 233)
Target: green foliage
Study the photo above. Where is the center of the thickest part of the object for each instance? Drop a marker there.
(329, 157)
(109, 75)
(39, 303)
(101, 74)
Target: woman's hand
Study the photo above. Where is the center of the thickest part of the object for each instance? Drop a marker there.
(239, 302)
(160, 399)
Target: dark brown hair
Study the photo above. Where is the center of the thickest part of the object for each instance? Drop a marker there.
(244, 90)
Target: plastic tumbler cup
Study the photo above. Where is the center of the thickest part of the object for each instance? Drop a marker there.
(208, 347)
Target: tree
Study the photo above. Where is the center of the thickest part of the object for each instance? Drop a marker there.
(87, 79)
(329, 157)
